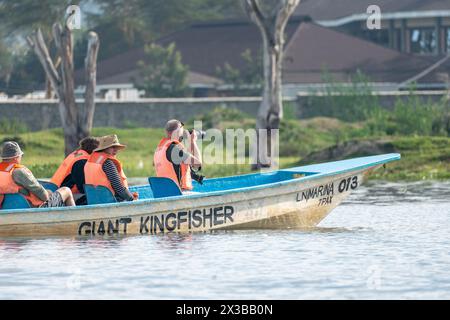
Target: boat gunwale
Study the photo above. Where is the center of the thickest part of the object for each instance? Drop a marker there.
(314, 176)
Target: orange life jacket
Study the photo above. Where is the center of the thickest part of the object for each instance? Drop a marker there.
(94, 174)
(8, 185)
(66, 167)
(164, 168)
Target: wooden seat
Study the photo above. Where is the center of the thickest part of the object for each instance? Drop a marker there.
(14, 201)
(164, 187)
(98, 194)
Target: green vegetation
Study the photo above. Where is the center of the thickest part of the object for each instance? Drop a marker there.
(356, 103)
(246, 82)
(163, 74)
(122, 25)
(423, 157)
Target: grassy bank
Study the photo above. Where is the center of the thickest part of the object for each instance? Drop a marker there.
(423, 157)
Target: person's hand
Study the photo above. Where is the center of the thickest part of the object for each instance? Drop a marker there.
(135, 195)
(194, 135)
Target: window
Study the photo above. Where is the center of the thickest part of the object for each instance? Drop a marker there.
(380, 37)
(423, 40)
(447, 40)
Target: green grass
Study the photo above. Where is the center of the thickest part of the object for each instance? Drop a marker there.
(423, 157)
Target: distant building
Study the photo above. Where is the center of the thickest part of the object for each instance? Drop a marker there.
(411, 26)
(323, 37)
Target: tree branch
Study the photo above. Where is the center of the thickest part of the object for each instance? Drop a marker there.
(87, 111)
(254, 12)
(285, 9)
(36, 42)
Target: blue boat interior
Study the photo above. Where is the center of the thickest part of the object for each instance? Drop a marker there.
(14, 201)
(163, 187)
(98, 194)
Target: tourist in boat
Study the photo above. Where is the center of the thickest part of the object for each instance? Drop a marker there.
(104, 169)
(71, 172)
(16, 178)
(172, 160)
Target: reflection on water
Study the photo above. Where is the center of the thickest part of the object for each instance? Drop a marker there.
(388, 240)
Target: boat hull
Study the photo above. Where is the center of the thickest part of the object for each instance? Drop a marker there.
(297, 204)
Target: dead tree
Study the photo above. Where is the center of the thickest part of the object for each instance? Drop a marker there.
(271, 21)
(76, 120)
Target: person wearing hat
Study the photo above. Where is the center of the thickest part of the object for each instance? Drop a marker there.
(172, 160)
(71, 172)
(16, 178)
(104, 169)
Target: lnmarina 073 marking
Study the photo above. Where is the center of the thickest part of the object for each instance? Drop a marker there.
(324, 193)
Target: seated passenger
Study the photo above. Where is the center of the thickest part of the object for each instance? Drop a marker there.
(71, 172)
(171, 160)
(16, 178)
(103, 169)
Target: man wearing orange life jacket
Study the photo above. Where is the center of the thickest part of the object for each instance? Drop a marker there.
(16, 178)
(104, 169)
(71, 172)
(171, 160)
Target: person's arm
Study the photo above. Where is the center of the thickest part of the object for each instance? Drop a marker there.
(114, 178)
(68, 182)
(77, 175)
(25, 179)
(196, 156)
(176, 155)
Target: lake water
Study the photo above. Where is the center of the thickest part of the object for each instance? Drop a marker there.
(387, 241)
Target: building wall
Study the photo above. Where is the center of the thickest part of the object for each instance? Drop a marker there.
(41, 115)
(155, 112)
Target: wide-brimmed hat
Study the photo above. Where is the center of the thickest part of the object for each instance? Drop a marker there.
(10, 149)
(109, 141)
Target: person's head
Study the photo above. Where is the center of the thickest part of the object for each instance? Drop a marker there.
(174, 129)
(89, 144)
(11, 152)
(109, 144)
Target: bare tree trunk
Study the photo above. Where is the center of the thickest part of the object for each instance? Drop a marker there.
(87, 111)
(271, 26)
(48, 88)
(67, 107)
(77, 123)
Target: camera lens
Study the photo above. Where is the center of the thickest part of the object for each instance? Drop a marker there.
(200, 134)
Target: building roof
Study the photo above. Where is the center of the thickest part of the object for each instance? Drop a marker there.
(323, 10)
(310, 50)
(204, 47)
(314, 49)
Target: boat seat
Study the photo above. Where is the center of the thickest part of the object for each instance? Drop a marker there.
(49, 185)
(98, 194)
(14, 201)
(164, 187)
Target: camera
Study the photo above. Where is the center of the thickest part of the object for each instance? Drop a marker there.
(200, 133)
(197, 177)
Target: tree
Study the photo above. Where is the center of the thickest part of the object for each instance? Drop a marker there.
(20, 17)
(152, 19)
(76, 121)
(5, 64)
(271, 18)
(162, 74)
(245, 82)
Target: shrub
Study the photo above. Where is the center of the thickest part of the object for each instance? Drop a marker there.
(12, 126)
